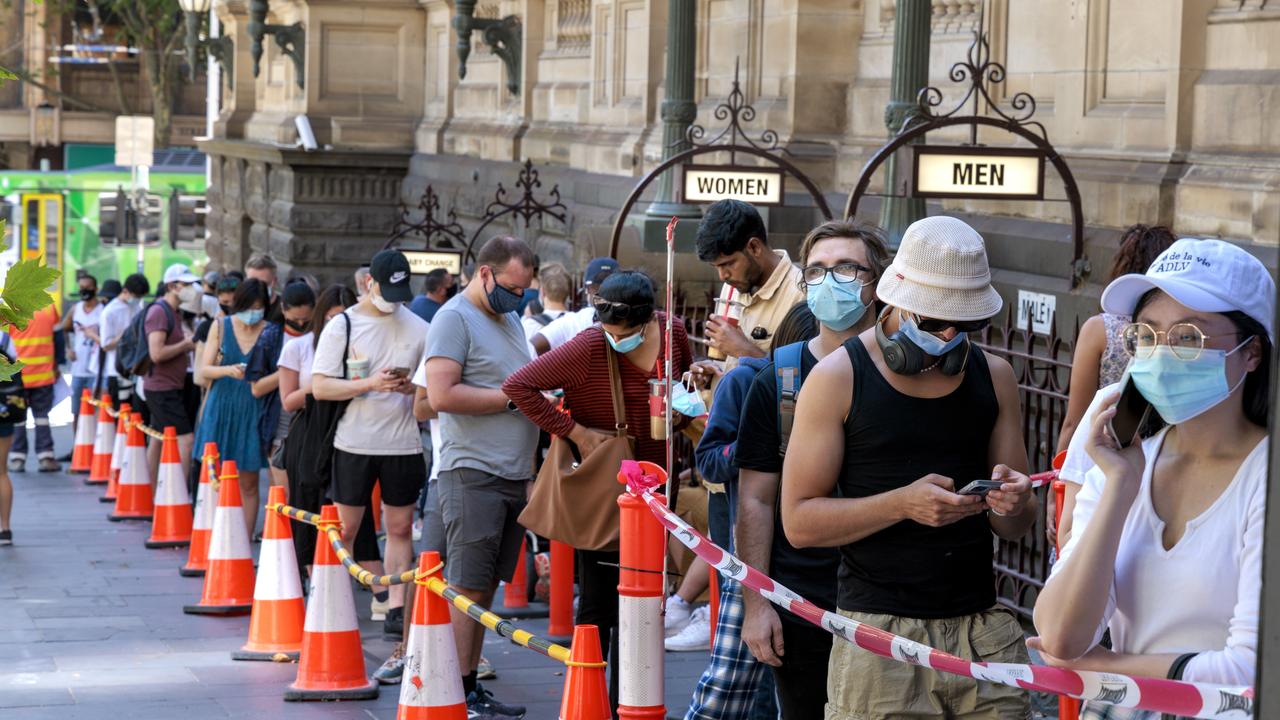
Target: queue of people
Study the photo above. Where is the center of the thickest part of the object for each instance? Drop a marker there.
(859, 447)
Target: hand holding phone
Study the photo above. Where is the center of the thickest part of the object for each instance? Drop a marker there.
(1132, 411)
(980, 487)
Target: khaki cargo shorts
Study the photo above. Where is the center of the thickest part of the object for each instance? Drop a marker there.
(865, 686)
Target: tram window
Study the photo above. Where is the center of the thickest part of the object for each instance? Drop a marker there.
(33, 226)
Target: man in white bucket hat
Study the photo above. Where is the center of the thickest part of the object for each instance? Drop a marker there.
(901, 423)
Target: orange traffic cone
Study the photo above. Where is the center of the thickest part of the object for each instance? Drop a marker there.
(202, 520)
(117, 454)
(172, 524)
(275, 629)
(133, 492)
(432, 683)
(228, 582)
(86, 429)
(331, 666)
(100, 465)
(586, 693)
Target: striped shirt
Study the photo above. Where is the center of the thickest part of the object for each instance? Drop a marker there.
(35, 348)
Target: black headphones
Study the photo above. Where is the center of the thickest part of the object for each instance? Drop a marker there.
(904, 357)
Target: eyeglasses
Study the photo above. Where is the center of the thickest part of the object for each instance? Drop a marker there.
(930, 325)
(1184, 339)
(814, 275)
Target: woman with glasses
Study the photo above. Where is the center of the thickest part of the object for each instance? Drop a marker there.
(632, 333)
(1167, 546)
(1098, 362)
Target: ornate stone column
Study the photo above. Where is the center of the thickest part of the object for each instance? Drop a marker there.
(678, 113)
(912, 26)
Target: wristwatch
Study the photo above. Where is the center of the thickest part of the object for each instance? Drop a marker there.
(511, 406)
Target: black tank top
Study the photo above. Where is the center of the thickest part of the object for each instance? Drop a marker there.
(892, 440)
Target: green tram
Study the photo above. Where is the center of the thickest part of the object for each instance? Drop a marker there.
(74, 219)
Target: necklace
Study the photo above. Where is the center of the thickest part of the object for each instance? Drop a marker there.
(935, 364)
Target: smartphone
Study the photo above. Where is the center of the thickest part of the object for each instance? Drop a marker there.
(980, 487)
(1131, 414)
(400, 372)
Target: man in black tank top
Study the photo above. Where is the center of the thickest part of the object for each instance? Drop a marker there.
(886, 434)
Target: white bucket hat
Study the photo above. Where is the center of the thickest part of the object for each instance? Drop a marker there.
(941, 272)
(1205, 275)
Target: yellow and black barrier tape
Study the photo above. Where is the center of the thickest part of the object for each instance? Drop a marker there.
(464, 604)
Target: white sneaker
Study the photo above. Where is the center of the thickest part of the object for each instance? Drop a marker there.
(378, 610)
(696, 635)
(677, 615)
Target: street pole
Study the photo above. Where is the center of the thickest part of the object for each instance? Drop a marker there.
(912, 27)
(678, 108)
(137, 213)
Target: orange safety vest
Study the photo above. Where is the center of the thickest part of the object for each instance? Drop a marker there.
(35, 348)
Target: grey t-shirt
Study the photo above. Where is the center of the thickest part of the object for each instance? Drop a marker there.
(489, 349)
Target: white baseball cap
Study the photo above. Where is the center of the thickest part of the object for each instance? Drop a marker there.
(1205, 275)
(178, 272)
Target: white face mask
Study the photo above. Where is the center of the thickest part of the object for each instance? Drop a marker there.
(189, 294)
(382, 305)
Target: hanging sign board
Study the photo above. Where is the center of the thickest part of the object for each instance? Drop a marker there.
(1037, 309)
(709, 183)
(978, 173)
(135, 137)
(422, 262)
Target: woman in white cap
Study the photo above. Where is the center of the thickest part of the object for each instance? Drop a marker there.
(1167, 546)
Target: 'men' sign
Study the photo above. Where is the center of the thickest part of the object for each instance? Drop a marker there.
(976, 173)
(709, 183)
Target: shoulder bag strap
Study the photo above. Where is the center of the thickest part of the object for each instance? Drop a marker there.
(615, 389)
(346, 347)
(786, 360)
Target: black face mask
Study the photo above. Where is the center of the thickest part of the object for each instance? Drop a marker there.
(88, 293)
(226, 309)
(296, 325)
(453, 290)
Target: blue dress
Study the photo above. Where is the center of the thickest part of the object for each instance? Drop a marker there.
(231, 412)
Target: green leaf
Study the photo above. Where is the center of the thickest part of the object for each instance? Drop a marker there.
(8, 369)
(26, 291)
(7, 74)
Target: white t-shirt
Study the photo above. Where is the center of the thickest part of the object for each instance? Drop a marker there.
(420, 379)
(376, 423)
(115, 320)
(298, 354)
(567, 326)
(1200, 596)
(86, 362)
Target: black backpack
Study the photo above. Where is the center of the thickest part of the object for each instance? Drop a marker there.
(133, 353)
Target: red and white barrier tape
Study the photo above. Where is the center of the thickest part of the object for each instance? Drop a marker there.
(1198, 700)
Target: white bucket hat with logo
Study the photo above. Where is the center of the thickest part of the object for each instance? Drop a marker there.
(941, 272)
(1205, 275)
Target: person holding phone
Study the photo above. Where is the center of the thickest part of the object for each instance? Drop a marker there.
(231, 411)
(1167, 547)
(897, 420)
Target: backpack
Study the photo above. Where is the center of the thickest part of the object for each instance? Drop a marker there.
(133, 353)
(13, 400)
(786, 362)
(542, 318)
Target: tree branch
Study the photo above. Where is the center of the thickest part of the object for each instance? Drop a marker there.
(120, 97)
(28, 78)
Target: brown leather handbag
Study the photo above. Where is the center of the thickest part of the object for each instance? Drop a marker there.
(575, 499)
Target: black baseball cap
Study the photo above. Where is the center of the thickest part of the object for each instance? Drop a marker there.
(110, 289)
(599, 269)
(390, 269)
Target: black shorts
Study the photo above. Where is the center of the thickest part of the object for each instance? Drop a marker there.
(401, 477)
(168, 407)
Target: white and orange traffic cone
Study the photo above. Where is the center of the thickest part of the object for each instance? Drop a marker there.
(431, 688)
(586, 691)
(202, 519)
(117, 453)
(275, 628)
(103, 444)
(228, 582)
(134, 499)
(331, 666)
(171, 526)
(642, 546)
(86, 431)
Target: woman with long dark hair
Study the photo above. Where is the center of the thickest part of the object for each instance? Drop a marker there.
(1167, 547)
(632, 333)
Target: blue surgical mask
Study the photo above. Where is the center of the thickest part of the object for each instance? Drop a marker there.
(250, 317)
(1182, 389)
(626, 344)
(836, 305)
(928, 342)
(686, 401)
(502, 300)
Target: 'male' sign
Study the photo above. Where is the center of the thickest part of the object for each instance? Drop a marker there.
(709, 183)
(978, 173)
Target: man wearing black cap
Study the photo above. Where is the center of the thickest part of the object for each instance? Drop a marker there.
(567, 326)
(377, 438)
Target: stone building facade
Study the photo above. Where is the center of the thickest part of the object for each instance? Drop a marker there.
(1163, 109)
